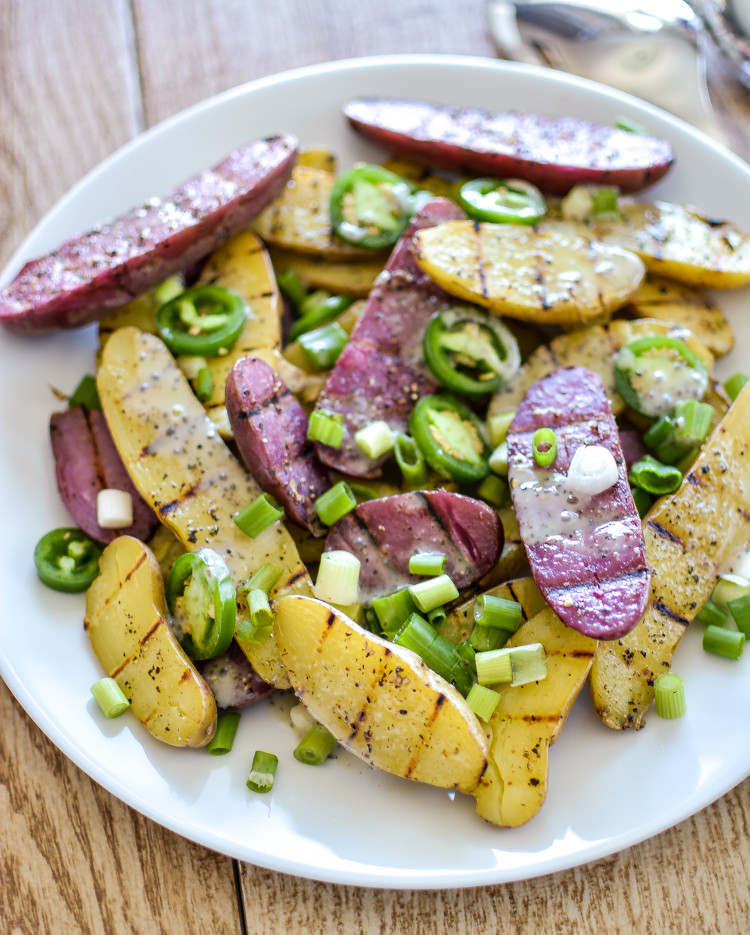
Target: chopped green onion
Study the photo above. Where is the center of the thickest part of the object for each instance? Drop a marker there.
(410, 461)
(371, 621)
(226, 729)
(204, 384)
(338, 578)
(498, 425)
(482, 701)
(659, 434)
(315, 746)
(168, 289)
(692, 422)
(258, 515)
(292, 286)
(669, 695)
(499, 460)
(724, 642)
(263, 771)
(85, 394)
(393, 610)
(734, 384)
(494, 666)
(427, 563)
(110, 697)
(375, 439)
(494, 490)
(711, 613)
(335, 503)
(739, 608)
(326, 427)
(654, 477)
(604, 201)
(544, 446)
(261, 614)
(728, 588)
(630, 125)
(324, 345)
(642, 499)
(265, 578)
(484, 639)
(316, 309)
(433, 593)
(436, 651)
(498, 612)
(437, 616)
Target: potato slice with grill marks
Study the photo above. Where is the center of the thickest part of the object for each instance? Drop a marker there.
(553, 273)
(378, 699)
(127, 623)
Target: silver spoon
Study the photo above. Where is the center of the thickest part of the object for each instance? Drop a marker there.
(653, 51)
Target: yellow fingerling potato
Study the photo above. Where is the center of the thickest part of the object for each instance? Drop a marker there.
(551, 273)
(528, 720)
(127, 623)
(681, 243)
(378, 699)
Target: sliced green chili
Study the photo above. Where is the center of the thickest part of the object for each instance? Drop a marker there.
(654, 477)
(653, 373)
(502, 201)
(67, 559)
(449, 436)
(370, 206)
(203, 321)
(205, 585)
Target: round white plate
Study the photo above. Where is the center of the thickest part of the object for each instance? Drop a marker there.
(343, 822)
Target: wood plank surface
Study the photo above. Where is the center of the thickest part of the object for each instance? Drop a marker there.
(77, 79)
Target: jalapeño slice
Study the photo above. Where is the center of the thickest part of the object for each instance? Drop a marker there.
(205, 585)
(502, 201)
(67, 559)
(449, 436)
(370, 206)
(470, 352)
(201, 322)
(652, 374)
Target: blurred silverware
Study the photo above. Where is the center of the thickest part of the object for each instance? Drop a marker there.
(653, 51)
(728, 22)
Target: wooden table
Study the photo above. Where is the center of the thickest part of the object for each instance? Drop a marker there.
(78, 78)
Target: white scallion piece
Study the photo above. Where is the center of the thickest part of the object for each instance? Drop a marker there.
(114, 509)
(592, 470)
(338, 578)
(375, 439)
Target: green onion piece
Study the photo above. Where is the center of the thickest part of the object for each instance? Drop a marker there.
(498, 612)
(324, 345)
(669, 695)
(468, 656)
(315, 746)
(375, 439)
(326, 427)
(604, 201)
(335, 503)
(292, 286)
(262, 772)
(363, 492)
(482, 701)
(261, 614)
(659, 434)
(724, 642)
(204, 384)
(544, 446)
(427, 563)
(393, 610)
(630, 125)
(711, 613)
(484, 639)
(498, 425)
(168, 290)
(692, 422)
(436, 651)
(437, 617)
(654, 477)
(410, 460)
(85, 394)
(433, 593)
(499, 460)
(728, 588)
(338, 578)
(739, 608)
(494, 666)
(733, 385)
(110, 697)
(226, 729)
(258, 515)
(371, 621)
(642, 499)
(317, 309)
(265, 578)
(494, 490)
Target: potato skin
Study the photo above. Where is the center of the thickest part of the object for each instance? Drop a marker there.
(127, 623)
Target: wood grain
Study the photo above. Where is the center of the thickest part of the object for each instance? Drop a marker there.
(77, 79)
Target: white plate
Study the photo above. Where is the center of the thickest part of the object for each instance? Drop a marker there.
(343, 822)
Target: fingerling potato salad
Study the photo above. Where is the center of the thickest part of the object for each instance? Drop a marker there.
(430, 443)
